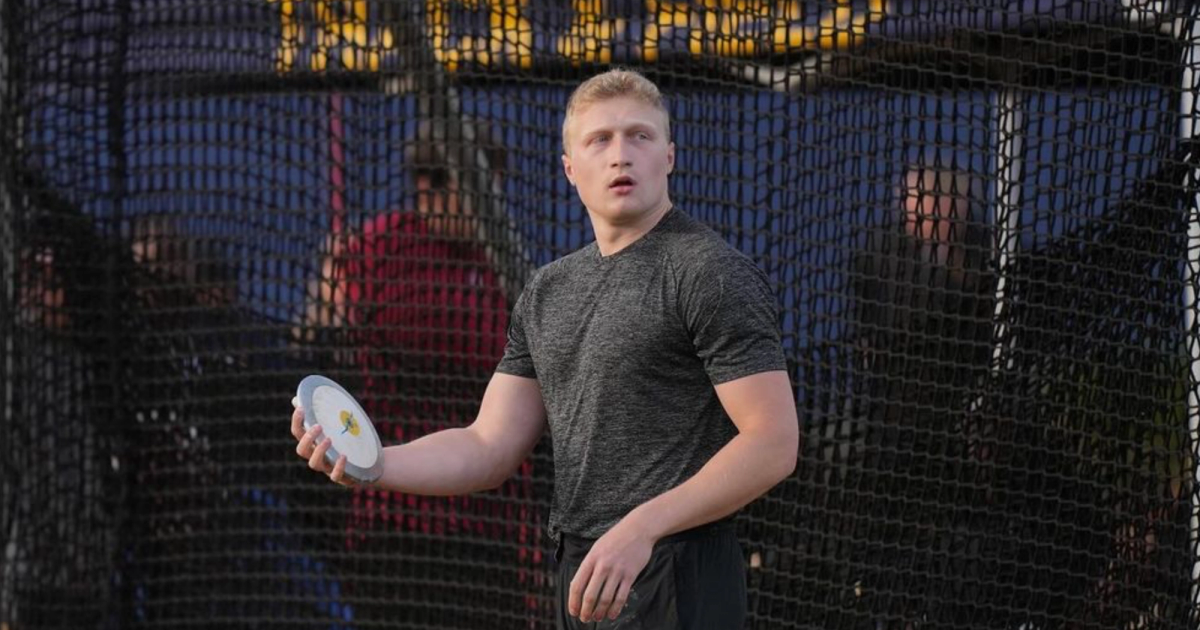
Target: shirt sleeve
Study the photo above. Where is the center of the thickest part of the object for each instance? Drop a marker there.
(517, 359)
(732, 316)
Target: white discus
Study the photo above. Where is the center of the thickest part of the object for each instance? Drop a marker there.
(344, 422)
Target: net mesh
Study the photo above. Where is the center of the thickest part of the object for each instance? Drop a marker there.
(975, 216)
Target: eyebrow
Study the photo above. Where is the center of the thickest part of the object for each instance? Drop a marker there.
(637, 125)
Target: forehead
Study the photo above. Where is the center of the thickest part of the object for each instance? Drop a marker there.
(616, 112)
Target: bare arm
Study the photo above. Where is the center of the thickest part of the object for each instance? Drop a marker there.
(455, 461)
(762, 454)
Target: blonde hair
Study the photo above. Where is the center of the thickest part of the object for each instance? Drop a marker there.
(616, 83)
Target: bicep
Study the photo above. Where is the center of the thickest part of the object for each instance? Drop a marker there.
(512, 418)
(761, 403)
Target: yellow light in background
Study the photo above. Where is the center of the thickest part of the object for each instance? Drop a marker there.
(591, 34)
(341, 30)
(509, 37)
(515, 43)
(663, 16)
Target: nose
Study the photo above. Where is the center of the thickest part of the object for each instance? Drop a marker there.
(620, 156)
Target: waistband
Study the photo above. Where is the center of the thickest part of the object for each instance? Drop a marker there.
(574, 549)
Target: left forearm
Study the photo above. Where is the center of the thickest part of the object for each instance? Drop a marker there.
(764, 452)
(744, 469)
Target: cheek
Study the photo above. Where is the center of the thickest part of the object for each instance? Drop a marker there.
(660, 170)
(662, 162)
(587, 181)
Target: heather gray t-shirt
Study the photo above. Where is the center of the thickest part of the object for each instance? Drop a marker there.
(626, 349)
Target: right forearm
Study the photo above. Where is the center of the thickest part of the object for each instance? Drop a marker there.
(511, 419)
(449, 462)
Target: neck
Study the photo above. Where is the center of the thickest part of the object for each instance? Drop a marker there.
(612, 237)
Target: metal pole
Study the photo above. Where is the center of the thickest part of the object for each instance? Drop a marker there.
(1191, 275)
(1010, 146)
(439, 103)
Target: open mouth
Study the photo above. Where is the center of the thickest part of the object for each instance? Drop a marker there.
(622, 184)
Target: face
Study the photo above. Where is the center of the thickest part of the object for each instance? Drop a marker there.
(936, 216)
(437, 200)
(40, 295)
(931, 214)
(618, 158)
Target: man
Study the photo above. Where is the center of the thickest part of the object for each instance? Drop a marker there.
(921, 329)
(423, 319)
(1090, 397)
(62, 495)
(654, 357)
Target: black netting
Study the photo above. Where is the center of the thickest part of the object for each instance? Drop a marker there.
(975, 214)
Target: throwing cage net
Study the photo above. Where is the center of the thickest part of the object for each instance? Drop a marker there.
(980, 219)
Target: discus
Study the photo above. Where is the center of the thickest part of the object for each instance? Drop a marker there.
(344, 422)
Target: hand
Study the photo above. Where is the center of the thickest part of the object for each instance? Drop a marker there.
(316, 454)
(601, 586)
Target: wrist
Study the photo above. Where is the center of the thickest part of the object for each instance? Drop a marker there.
(645, 523)
(381, 482)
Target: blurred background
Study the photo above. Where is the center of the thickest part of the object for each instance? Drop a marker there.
(979, 218)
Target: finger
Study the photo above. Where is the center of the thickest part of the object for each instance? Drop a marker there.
(578, 583)
(339, 472)
(298, 422)
(305, 446)
(619, 601)
(317, 460)
(605, 604)
(591, 595)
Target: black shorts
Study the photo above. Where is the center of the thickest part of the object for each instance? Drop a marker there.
(695, 580)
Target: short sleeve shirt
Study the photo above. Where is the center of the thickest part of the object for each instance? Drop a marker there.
(627, 349)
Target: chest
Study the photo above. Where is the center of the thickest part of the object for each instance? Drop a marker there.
(612, 319)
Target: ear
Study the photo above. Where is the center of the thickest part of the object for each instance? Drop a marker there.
(568, 169)
(670, 157)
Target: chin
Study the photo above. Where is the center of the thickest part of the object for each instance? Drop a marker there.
(625, 210)
(620, 216)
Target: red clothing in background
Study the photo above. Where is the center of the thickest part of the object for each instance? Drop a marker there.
(428, 322)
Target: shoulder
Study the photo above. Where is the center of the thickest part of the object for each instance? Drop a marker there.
(395, 222)
(386, 233)
(693, 250)
(557, 274)
(564, 268)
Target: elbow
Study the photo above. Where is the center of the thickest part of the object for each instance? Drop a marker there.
(776, 453)
(786, 464)
(499, 474)
(493, 482)
(482, 467)
(787, 455)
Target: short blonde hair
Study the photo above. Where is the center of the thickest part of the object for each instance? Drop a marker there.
(616, 83)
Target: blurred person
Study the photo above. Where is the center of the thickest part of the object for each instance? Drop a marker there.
(109, 380)
(921, 335)
(653, 356)
(180, 267)
(419, 313)
(63, 480)
(201, 363)
(1091, 407)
